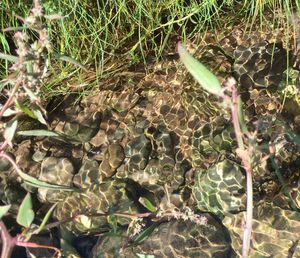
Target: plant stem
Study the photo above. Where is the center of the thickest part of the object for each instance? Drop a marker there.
(8, 242)
(245, 156)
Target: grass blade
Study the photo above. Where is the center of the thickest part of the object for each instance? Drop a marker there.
(144, 234)
(45, 219)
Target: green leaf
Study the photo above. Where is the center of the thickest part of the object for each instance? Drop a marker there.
(38, 183)
(70, 60)
(9, 58)
(207, 80)
(25, 214)
(3, 210)
(10, 130)
(39, 116)
(39, 133)
(147, 204)
(144, 234)
(45, 219)
(25, 109)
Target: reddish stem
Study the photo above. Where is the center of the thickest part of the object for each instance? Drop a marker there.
(3, 145)
(245, 156)
(34, 245)
(8, 242)
(4, 155)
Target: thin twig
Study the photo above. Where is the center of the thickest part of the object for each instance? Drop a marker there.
(11, 161)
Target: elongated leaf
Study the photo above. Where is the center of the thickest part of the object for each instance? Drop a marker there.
(39, 133)
(25, 214)
(206, 79)
(70, 60)
(10, 130)
(9, 58)
(147, 204)
(144, 234)
(25, 109)
(3, 210)
(38, 183)
(45, 219)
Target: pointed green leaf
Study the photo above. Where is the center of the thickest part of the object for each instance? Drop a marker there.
(45, 219)
(71, 60)
(207, 80)
(147, 204)
(39, 116)
(39, 133)
(25, 214)
(10, 130)
(38, 183)
(3, 210)
(144, 234)
(25, 109)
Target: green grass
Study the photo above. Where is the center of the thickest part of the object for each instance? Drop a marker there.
(111, 35)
